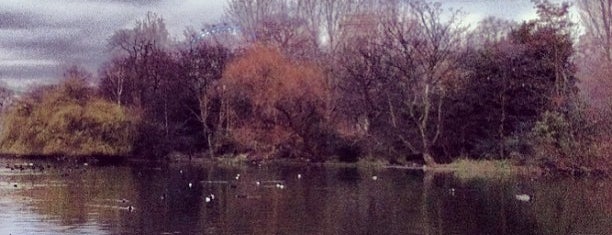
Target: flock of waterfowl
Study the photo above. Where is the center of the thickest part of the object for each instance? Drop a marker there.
(42, 167)
(37, 168)
(208, 198)
(27, 166)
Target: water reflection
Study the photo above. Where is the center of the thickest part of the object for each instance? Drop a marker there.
(172, 199)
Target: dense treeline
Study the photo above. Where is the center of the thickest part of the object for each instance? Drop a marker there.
(396, 80)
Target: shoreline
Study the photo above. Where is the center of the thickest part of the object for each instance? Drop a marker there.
(460, 167)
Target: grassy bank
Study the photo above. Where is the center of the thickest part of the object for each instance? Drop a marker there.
(468, 168)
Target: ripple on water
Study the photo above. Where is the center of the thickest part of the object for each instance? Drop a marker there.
(19, 217)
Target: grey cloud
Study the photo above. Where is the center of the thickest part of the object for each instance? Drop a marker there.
(27, 72)
(60, 33)
(139, 2)
(47, 42)
(16, 20)
(76, 31)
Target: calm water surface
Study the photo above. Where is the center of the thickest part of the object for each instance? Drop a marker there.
(77, 199)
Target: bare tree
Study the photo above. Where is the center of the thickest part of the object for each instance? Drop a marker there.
(114, 74)
(147, 33)
(296, 26)
(595, 50)
(596, 16)
(334, 16)
(202, 67)
(6, 96)
(426, 54)
(247, 14)
(276, 22)
(409, 61)
(135, 51)
(142, 72)
(489, 31)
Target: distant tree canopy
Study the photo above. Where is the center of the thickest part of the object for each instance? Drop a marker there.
(594, 55)
(67, 119)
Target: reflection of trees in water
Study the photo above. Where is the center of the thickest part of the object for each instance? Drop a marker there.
(77, 196)
(476, 206)
(574, 207)
(323, 201)
(179, 208)
(383, 206)
(488, 206)
(349, 175)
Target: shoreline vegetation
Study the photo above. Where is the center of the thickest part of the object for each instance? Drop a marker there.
(463, 168)
(381, 92)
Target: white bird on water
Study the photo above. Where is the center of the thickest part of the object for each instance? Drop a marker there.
(374, 177)
(190, 185)
(523, 197)
(237, 176)
(209, 198)
(299, 176)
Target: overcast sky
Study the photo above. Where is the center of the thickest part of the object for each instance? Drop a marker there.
(38, 38)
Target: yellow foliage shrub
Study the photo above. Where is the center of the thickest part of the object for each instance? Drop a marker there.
(67, 119)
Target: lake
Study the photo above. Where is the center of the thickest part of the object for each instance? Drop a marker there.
(63, 198)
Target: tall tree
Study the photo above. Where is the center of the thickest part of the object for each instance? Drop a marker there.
(135, 51)
(275, 101)
(595, 50)
(430, 47)
(286, 24)
(201, 69)
(513, 81)
(143, 75)
(405, 62)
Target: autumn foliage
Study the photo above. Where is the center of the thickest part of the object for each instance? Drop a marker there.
(403, 81)
(274, 101)
(67, 119)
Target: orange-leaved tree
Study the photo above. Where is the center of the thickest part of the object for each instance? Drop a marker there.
(276, 104)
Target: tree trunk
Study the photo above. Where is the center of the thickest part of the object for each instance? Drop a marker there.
(501, 130)
(429, 160)
(211, 149)
(207, 131)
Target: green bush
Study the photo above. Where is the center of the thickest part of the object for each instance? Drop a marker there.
(552, 136)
